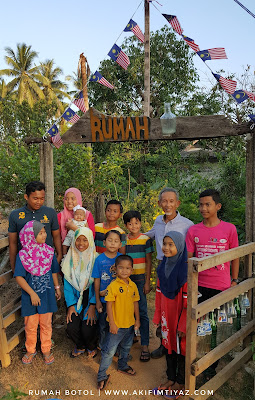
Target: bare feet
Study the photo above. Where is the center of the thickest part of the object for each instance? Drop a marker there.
(168, 385)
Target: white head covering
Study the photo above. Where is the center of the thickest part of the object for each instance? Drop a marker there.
(77, 266)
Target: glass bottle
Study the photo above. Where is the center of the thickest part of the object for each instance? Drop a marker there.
(168, 121)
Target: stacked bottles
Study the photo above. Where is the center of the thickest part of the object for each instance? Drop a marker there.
(221, 323)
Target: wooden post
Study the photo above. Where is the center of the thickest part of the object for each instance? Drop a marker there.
(146, 107)
(4, 351)
(250, 188)
(47, 172)
(191, 333)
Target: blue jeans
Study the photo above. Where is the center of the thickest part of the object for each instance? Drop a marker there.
(124, 339)
(139, 280)
(103, 326)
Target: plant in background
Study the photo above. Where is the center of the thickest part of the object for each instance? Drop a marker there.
(14, 394)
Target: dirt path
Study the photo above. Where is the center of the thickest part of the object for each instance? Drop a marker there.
(68, 374)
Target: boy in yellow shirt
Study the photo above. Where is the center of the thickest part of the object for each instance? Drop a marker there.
(123, 314)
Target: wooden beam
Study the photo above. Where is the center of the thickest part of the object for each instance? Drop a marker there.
(223, 375)
(10, 318)
(11, 304)
(204, 263)
(221, 298)
(199, 366)
(6, 277)
(94, 126)
(4, 242)
(16, 339)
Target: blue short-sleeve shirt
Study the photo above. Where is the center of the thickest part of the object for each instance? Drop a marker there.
(42, 285)
(46, 215)
(102, 269)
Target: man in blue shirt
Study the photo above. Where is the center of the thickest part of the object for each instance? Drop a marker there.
(34, 209)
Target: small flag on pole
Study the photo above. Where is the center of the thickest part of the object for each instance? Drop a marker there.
(79, 102)
(250, 95)
(119, 56)
(227, 84)
(133, 27)
(173, 20)
(191, 43)
(212, 54)
(55, 136)
(70, 116)
(240, 96)
(97, 77)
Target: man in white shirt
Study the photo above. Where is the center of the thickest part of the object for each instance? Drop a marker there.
(172, 220)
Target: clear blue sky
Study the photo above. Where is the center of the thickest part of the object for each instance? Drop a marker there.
(63, 29)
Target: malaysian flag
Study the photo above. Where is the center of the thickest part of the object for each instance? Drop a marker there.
(55, 136)
(252, 117)
(212, 54)
(97, 77)
(133, 27)
(79, 102)
(173, 20)
(191, 43)
(70, 116)
(250, 95)
(227, 84)
(240, 96)
(119, 56)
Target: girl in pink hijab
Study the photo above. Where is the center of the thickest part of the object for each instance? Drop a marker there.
(72, 198)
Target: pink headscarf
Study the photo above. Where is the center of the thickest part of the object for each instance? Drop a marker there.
(65, 215)
(36, 258)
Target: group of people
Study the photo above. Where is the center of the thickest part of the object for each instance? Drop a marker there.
(106, 276)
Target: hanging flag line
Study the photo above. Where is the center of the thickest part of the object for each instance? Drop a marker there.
(122, 59)
(117, 55)
(245, 8)
(212, 54)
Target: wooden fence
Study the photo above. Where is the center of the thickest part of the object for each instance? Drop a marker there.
(8, 314)
(195, 367)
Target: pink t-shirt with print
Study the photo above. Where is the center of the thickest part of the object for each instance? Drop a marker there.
(205, 241)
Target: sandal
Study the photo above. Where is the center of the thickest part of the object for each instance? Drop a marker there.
(101, 385)
(128, 371)
(92, 353)
(76, 352)
(48, 359)
(145, 356)
(159, 391)
(27, 359)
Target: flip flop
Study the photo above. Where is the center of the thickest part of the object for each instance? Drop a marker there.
(145, 356)
(105, 383)
(48, 359)
(157, 391)
(128, 371)
(26, 360)
(92, 353)
(76, 353)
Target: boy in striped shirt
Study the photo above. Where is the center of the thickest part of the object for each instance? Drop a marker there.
(139, 246)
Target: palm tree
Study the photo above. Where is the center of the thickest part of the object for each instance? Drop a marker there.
(76, 81)
(3, 89)
(53, 88)
(26, 77)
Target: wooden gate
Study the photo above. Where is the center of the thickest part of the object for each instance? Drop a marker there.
(194, 311)
(8, 314)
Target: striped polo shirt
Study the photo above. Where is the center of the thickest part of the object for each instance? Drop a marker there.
(101, 230)
(137, 249)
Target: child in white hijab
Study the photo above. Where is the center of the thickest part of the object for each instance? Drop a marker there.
(79, 293)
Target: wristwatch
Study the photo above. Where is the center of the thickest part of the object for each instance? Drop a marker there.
(235, 280)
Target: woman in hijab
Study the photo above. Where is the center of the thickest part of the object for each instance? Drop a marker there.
(79, 293)
(170, 310)
(72, 198)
